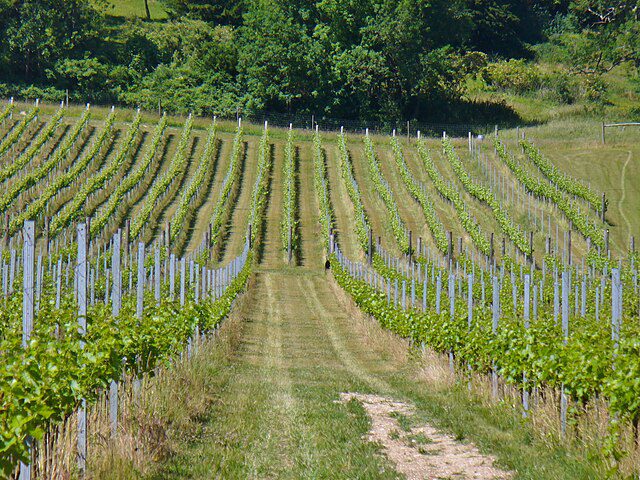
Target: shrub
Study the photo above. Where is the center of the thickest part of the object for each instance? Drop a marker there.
(515, 75)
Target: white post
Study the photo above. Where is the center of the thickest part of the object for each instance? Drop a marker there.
(81, 272)
(116, 303)
(28, 254)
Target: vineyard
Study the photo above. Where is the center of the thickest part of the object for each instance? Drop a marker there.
(130, 242)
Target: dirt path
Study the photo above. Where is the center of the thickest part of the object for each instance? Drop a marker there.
(421, 452)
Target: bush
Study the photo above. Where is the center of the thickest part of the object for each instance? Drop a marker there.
(516, 76)
(561, 87)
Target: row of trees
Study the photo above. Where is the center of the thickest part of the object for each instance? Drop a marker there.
(363, 59)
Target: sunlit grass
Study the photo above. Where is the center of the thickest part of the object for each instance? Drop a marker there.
(135, 9)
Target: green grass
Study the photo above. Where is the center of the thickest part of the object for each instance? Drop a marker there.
(135, 9)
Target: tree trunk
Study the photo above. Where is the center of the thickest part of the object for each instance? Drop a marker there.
(146, 9)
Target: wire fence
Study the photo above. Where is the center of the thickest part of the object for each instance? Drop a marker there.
(324, 123)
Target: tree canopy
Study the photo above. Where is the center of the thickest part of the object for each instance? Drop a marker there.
(360, 59)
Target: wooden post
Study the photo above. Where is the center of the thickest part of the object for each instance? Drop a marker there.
(527, 321)
(450, 246)
(492, 248)
(470, 301)
(569, 247)
(565, 335)
(606, 242)
(604, 207)
(370, 247)
(603, 137)
(183, 274)
(410, 245)
(531, 246)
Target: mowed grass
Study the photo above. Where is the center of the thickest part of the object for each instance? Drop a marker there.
(576, 148)
(135, 9)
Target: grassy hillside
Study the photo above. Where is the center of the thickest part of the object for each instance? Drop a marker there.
(135, 9)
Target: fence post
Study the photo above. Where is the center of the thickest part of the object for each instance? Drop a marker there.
(156, 275)
(81, 271)
(116, 302)
(565, 335)
(141, 279)
(494, 328)
(527, 316)
(28, 257)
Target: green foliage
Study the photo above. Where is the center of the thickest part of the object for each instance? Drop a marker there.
(346, 169)
(450, 194)
(543, 189)
(131, 180)
(289, 225)
(61, 181)
(32, 177)
(223, 12)
(204, 167)
(176, 170)
(561, 180)
(15, 134)
(434, 223)
(484, 194)
(514, 75)
(259, 194)
(222, 209)
(321, 185)
(74, 209)
(587, 364)
(43, 384)
(384, 190)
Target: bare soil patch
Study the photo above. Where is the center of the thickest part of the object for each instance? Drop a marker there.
(422, 452)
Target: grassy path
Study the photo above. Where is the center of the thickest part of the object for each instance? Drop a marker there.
(311, 251)
(203, 212)
(272, 254)
(236, 228)
(343, 208)
(278, 408)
